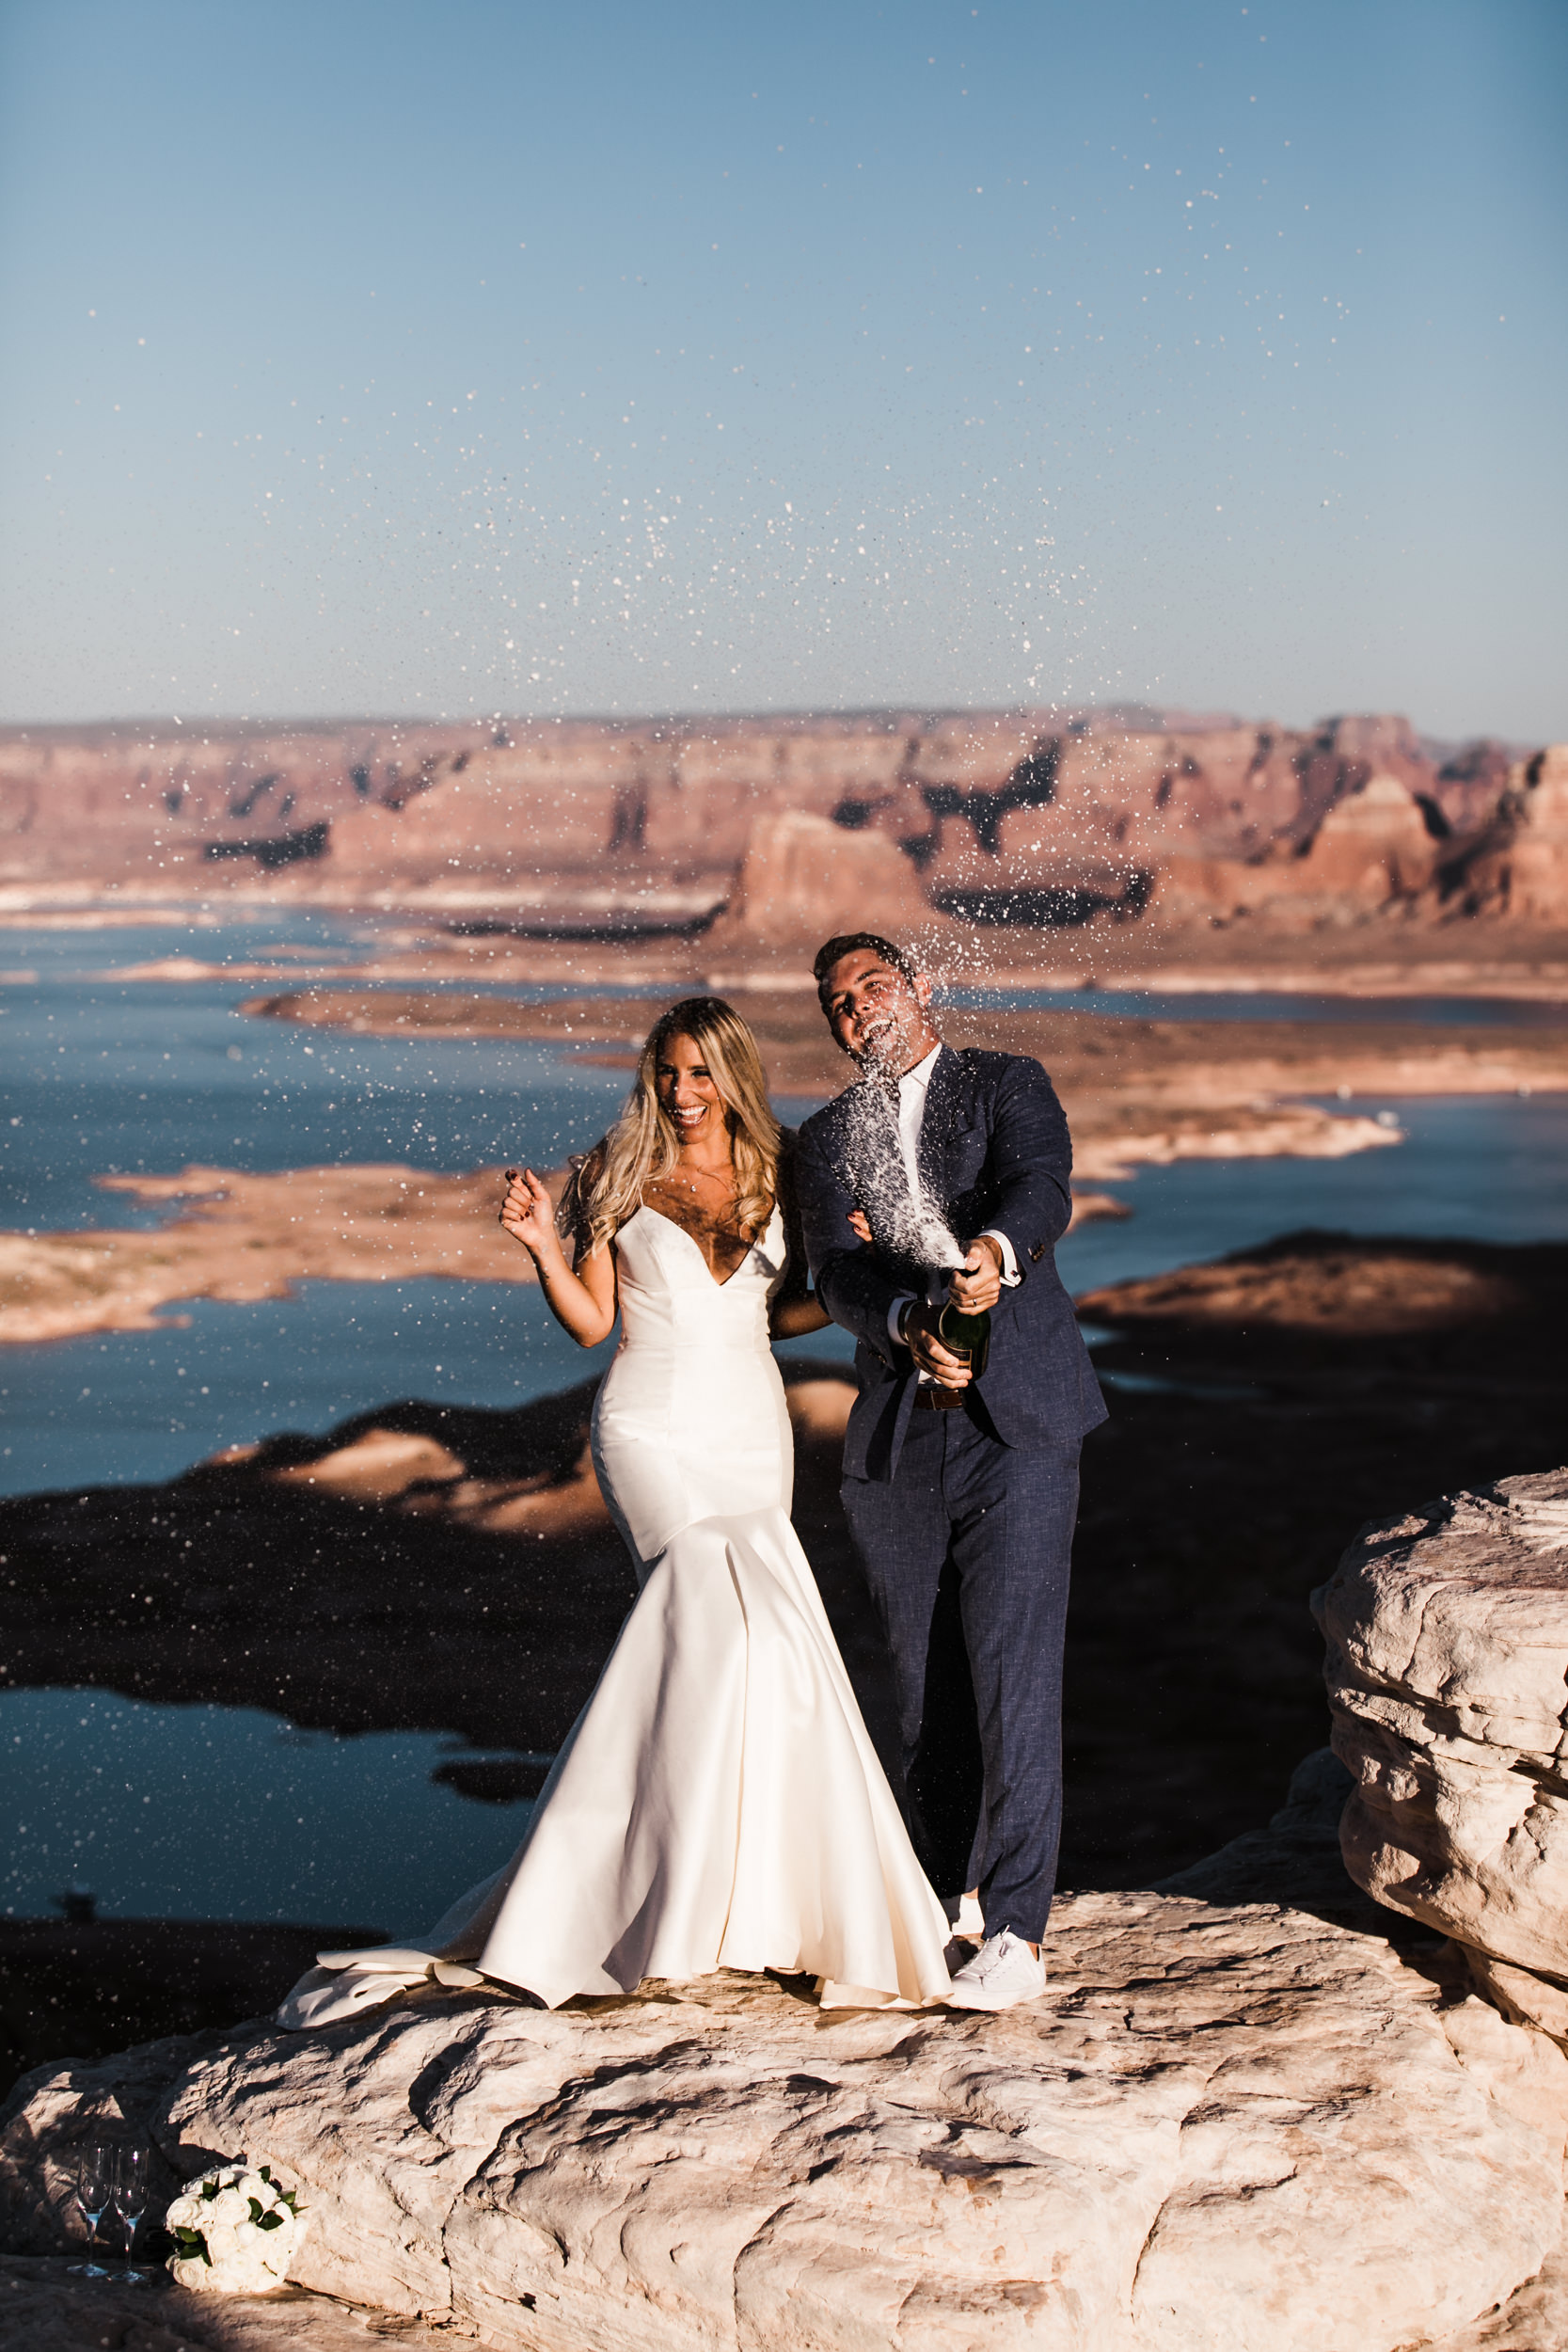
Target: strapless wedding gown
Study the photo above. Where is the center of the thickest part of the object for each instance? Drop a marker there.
(717, 1803)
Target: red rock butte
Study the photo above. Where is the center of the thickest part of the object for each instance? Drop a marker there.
(770, 829)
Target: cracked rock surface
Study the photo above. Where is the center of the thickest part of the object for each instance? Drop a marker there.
(1447, 1677)
(1228, 2124)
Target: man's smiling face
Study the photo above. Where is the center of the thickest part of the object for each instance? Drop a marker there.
(878, 1017)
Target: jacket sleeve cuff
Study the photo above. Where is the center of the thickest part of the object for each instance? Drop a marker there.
(905, 1298)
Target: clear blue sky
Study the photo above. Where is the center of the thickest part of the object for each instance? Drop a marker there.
(396, 355)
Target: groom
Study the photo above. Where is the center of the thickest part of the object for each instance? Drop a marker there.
(957, 1488)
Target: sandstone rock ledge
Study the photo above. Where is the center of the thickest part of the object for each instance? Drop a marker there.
(1227, 2129)
(1447, 1677)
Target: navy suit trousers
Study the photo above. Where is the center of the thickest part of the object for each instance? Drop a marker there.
(967, 1550)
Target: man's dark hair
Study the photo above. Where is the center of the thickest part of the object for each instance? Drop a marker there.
(834, 950)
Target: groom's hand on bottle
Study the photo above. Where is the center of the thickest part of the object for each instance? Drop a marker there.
(978, 1286)
(919, 1329)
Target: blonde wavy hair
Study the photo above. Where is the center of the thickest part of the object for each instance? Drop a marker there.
(607, 1187)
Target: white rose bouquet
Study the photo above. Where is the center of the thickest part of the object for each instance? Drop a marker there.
(234, 2232)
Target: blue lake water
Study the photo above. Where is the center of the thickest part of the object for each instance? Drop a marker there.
(1261, 1004)
(106, 1075)
(109, 1075)
(139, 1404)
(229, 1813)
(1488, 1168)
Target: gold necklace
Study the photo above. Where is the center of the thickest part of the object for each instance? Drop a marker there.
(712, 1176)
(673, 1182)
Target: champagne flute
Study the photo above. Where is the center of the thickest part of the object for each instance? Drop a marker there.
(93, 2186)
(130, 2203)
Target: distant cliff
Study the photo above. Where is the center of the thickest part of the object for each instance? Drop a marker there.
(999, 818)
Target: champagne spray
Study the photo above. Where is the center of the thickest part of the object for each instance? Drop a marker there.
(912, 1219)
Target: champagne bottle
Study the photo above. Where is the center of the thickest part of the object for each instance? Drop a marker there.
(967, 1335)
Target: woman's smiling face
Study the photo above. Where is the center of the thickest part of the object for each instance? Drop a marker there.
(686, 1093)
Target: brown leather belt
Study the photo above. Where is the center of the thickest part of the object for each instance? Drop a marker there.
(935, 1400)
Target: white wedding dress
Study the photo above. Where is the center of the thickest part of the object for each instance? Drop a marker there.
(717, 1803)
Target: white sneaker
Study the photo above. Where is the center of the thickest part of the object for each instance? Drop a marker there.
(1002, 1973)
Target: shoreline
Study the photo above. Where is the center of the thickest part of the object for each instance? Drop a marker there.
(1138, 1093)
(240, 1239)
(243, 1238)
(1375, 957)
(1118, 1075)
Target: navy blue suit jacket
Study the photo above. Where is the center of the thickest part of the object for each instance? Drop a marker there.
(994, 1152)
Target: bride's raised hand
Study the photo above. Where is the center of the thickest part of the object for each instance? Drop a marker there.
(860, 1225)
(584, 1301)
(528, 1214)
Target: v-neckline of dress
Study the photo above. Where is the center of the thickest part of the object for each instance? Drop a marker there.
(645, 1208)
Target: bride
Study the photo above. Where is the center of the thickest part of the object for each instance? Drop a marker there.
(717, 1803)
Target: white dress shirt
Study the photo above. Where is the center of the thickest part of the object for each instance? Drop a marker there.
(913, 1087)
